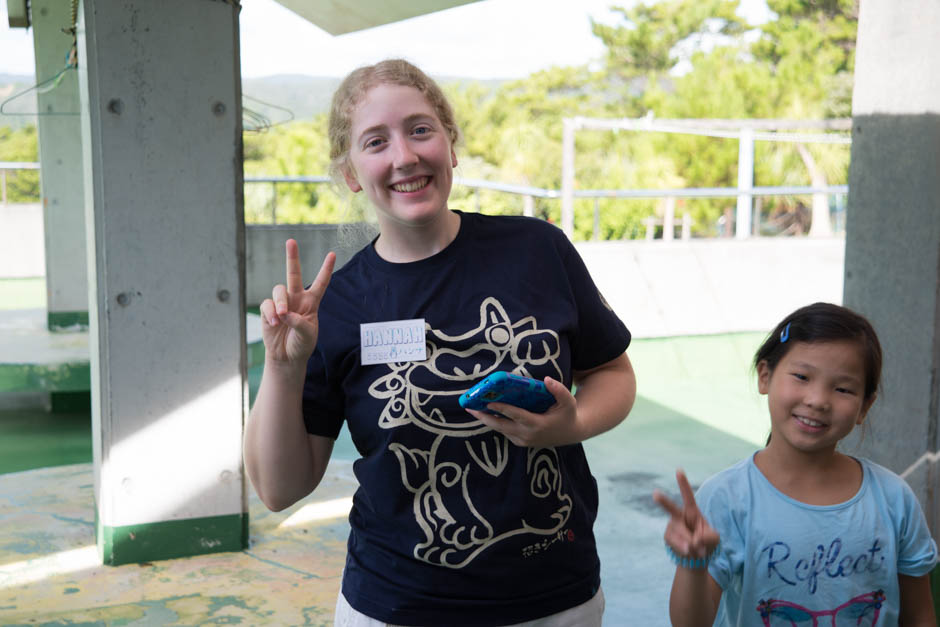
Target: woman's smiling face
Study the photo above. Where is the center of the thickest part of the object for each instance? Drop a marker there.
(400, 155)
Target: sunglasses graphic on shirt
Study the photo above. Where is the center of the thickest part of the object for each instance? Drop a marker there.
(860, 611)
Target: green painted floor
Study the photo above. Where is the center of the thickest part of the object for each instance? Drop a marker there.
(34, 438)
(290, 573)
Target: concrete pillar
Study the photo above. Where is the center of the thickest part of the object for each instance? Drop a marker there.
(893, 231)
(60, 156)
(161, 132)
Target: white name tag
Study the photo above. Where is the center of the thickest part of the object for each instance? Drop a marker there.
(393, 341)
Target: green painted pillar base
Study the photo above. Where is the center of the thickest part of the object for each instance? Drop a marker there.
(72, 376)
(135, 544)
(67, 320)
(70, 402)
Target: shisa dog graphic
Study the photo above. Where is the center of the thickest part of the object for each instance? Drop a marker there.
(455, 529)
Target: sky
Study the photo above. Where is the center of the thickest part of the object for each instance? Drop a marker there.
(486, 39)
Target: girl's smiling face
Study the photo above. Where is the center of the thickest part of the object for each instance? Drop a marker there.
(815, 395)
(400, 155)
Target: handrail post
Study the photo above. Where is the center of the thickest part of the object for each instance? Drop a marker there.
(597, 219)
(528, 205)
(3, 184)
(755, 222)
(742, 226)
(273, 202)
(669, 219)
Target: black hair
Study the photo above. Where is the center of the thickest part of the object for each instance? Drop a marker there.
(825, 322)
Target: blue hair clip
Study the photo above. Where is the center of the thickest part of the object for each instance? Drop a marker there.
(785, 334)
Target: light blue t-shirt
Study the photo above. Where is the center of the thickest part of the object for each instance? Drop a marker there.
(783, 562)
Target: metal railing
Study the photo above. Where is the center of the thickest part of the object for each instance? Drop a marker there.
(746, 131)
(529, 194)
(9, 166)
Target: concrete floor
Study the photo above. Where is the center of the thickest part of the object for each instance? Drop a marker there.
(50, 573)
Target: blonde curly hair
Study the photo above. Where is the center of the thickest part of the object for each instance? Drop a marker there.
(358, 83)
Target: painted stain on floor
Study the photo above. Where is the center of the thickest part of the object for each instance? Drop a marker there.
(50, 573)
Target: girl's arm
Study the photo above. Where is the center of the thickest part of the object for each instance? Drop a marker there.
(695, 594)
(916, 602)
(694, 598)
(604, 397)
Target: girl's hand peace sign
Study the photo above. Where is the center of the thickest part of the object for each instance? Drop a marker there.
(688, 534)
(289, 324)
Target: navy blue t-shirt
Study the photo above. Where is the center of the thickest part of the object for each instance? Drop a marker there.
(452, 524)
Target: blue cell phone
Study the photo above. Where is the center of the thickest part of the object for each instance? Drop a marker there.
(512, 389)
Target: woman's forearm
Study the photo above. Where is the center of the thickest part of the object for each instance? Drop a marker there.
(605, 396)
(282, 460)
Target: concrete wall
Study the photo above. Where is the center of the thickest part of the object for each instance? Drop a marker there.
(22, 247)
(659, 288)
(701, 287)
(264, 253)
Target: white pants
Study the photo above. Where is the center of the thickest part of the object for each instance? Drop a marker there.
(588, 614)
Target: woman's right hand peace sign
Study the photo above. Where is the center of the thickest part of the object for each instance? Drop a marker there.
(289, 324)
(688, 532)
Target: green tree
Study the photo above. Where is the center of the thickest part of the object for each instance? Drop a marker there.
(810, 48)
(293, 150)
(674, 59)
(799, 66)
(21, 145)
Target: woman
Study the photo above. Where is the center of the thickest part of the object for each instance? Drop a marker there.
(462, 517)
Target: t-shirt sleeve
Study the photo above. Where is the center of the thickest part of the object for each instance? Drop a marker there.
(601, 335)
(917, 551)
(323, 401)
(716, 503)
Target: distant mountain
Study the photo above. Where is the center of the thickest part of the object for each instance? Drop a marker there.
(285, 96)
(270, 99)
(278, 97)
(15, 78)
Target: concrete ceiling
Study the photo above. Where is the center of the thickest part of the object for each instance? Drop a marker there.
(338, 16)
(17, 14)
(334, 16)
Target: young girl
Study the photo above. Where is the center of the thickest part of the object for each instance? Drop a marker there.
(461, 517)
(801, 534)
